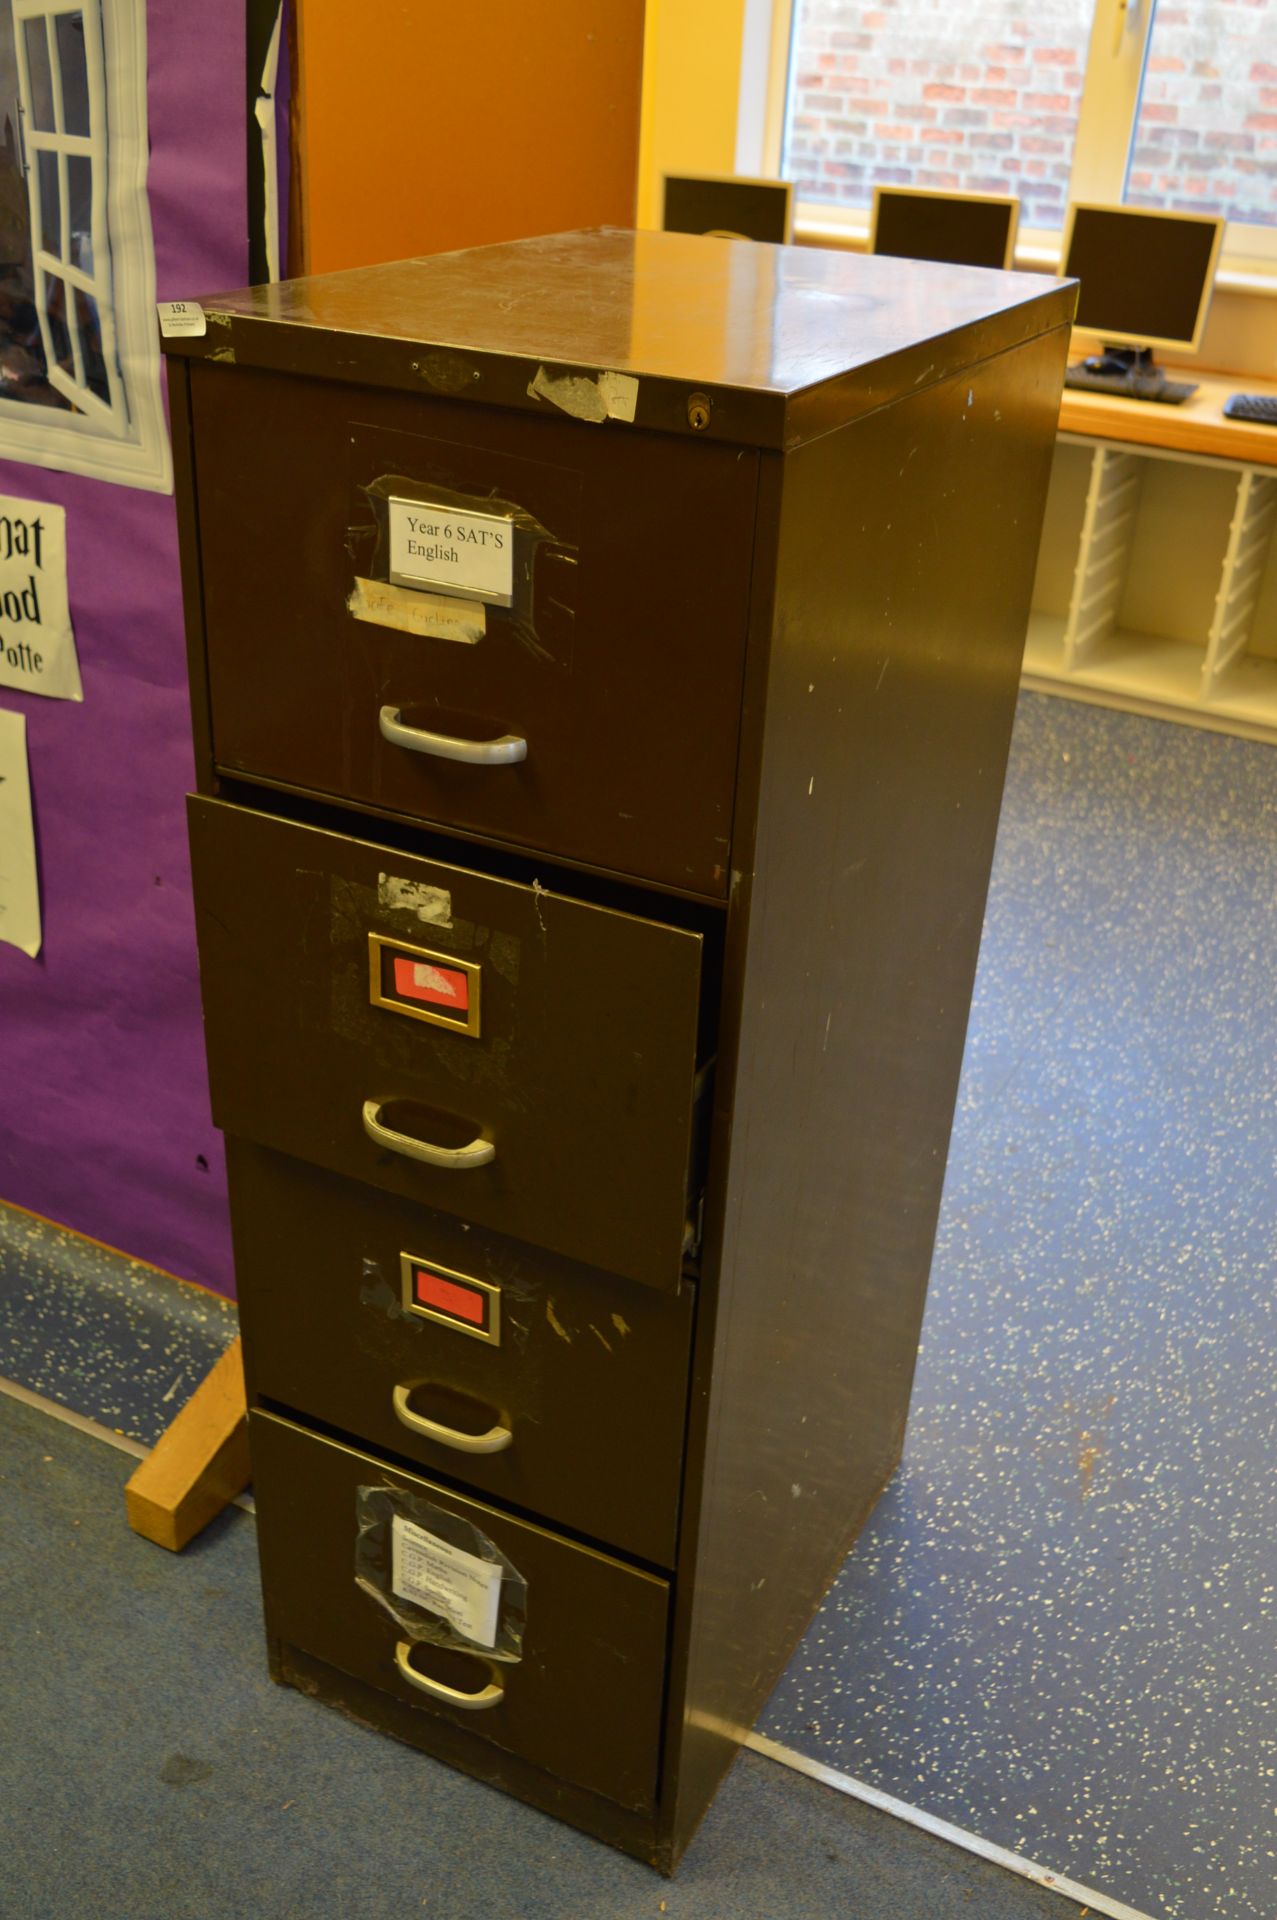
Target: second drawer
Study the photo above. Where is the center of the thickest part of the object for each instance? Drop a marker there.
(491, 1049)
(374, 1315)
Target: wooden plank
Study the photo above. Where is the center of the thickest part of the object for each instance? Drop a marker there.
(1200, 425)
(199, 1464)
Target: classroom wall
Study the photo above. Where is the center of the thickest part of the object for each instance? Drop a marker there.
(104, 1119)
(428, 128)
(691, 89)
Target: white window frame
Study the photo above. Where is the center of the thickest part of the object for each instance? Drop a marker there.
(264, 113)
(1118, 48)
(112, 414)
(123, 438)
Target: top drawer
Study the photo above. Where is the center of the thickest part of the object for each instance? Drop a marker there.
(618, 660)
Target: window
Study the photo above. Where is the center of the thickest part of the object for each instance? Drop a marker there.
(62, 95)
(977, 96)
(1167, 104)
(1206, 131)
(79, 366)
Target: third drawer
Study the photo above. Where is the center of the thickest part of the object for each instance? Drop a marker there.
(376, 1316)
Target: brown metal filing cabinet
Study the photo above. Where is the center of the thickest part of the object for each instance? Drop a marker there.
(603, 657)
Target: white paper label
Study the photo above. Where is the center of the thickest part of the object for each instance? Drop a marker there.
(447, 547)
(412, 610)
(37, 646)
(181, 316)
(19, 884)
(464, 1590)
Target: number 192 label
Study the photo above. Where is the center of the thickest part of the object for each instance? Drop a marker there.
(181, 316)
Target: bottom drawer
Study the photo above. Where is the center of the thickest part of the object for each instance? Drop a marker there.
(352, 1549)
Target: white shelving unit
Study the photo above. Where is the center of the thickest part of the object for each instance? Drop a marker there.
(1156, 586)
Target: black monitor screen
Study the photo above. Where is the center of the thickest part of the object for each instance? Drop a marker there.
(746, 209)
(924, 226)
(1144, 275)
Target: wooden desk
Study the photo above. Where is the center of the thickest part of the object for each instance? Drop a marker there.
(1200, 425)
(1156, 587)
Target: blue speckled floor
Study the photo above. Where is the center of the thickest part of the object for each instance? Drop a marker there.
(106, 1336)
(149, 1770)
(1060, 1628)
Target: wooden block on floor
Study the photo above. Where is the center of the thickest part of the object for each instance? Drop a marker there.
(198, 1464)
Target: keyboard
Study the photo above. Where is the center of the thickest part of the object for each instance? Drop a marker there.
(1131, 386)
(1252, 406)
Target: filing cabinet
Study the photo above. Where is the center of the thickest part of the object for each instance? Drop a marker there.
(603, 655)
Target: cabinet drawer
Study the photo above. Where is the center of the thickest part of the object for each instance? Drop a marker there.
(570, 1108)
(620, 662)
(371, 1314)
(584, 1700)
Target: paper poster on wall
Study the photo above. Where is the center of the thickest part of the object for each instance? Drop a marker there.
(19, 884)
(37, 646)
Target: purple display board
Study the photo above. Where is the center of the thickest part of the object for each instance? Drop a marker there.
(104, 1118)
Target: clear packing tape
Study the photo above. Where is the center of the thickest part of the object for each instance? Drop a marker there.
(533, 546)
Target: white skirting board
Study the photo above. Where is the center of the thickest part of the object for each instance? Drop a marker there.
(94, 1429)
(1087, 1897)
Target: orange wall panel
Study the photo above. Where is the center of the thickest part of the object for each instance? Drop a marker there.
(423, 127)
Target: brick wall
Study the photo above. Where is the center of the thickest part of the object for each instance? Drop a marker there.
(975, 96)
(981, 96)
(1206, 136)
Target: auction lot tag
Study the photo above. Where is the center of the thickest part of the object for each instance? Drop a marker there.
(178, 317)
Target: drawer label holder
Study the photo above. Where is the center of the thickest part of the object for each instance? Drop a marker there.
(439, 1576)
(444, 563)
(452, 549)
(455, 1300)
(435, 987)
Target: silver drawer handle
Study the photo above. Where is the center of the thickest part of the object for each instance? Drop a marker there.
(495, 1440)
(476, 1153)
(488, 1696)
(446, 746)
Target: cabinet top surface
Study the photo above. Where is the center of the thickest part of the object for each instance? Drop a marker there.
(787, 341)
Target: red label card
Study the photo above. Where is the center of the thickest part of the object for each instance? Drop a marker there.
(446, 1296)
(438, 986)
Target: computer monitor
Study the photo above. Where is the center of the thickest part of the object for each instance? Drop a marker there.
(729, 206)
(1145, 276)
(966, 229)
